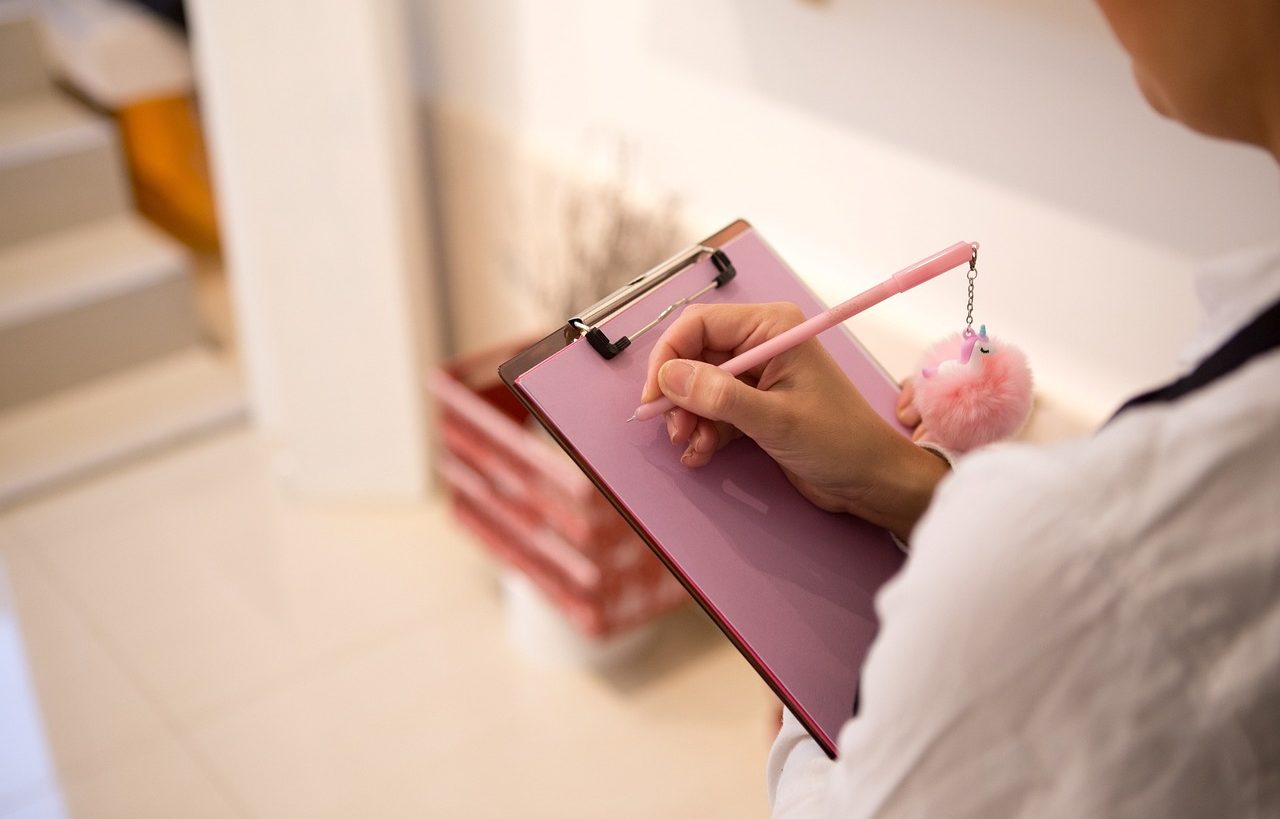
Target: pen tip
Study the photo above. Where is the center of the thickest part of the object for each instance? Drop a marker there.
(632, 418)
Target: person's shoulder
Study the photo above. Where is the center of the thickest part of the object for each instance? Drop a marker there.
(1006, 563)
(1210, 458)
(1002, 599)
(1024, 500)
(1031, 540)
(1216, 446)
(1223, 417)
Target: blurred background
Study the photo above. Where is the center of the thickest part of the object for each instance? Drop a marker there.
(274, 543)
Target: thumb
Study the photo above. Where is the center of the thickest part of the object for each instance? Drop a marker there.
(706, 390)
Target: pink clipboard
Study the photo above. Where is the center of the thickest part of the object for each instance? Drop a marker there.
(792, 586)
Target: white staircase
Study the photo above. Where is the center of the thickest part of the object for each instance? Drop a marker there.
(102, 355)
(63, 160)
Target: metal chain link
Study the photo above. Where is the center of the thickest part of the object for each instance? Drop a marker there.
(973, 274)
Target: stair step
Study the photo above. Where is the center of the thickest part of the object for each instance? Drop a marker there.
(59, 166)
(116, 53)
(22, 65)
(87, 301)
(70, 268)
(76, 433)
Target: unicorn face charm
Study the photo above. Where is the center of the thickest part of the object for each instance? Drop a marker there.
(973, 352)
(972, 391)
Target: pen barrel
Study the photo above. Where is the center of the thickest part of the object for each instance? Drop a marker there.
(651, 410)
(794, 337)
(822, 322)
(905, 279)
(940, 262)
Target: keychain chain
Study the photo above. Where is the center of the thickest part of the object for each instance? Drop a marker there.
(973, 274)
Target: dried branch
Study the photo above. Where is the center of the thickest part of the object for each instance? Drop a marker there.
(596, 239)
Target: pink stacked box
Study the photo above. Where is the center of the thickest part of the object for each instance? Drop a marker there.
(535, 511)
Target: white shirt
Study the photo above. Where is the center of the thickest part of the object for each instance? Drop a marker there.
(1085, 629)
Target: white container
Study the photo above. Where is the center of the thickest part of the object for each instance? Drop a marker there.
(540, 633)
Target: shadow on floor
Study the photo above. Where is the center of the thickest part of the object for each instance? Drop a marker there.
(683, 636)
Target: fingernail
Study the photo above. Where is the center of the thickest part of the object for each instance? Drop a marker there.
(676, 378)
(670, 415)
(701, 442)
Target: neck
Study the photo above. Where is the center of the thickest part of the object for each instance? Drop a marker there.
(1270, 126)
(1270, 102)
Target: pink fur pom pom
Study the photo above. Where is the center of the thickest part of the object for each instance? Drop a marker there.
(972, 391)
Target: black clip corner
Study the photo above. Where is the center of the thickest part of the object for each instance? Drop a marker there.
(610, 349)
(607, 349)
(727, 271)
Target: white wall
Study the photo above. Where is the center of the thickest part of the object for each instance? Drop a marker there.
(316, 163)
(860, 135)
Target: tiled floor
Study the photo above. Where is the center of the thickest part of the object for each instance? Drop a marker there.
(177, 640)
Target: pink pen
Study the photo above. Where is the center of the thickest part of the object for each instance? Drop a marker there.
(900, 282)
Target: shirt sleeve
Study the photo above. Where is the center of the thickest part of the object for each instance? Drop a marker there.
(949, 679)
(797, 771)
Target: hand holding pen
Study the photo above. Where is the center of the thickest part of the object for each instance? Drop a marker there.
(797, 404)
(754, 355)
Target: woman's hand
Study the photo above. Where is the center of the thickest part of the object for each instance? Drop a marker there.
(907, 412)
(800, 408)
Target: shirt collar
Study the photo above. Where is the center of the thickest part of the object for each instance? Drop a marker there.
(1232, 290)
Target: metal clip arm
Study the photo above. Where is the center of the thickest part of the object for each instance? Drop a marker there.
(609, 349)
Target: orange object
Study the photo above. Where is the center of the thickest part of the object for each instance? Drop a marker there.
(169, 170)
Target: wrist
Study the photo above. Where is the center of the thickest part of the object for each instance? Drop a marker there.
(904, 490)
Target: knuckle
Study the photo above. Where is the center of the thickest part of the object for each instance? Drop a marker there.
(721, 397)
(787, 314)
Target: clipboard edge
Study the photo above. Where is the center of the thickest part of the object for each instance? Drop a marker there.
(511, 370)
(785, 697)
(565, 335)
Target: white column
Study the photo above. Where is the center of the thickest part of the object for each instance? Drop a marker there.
(317, 167)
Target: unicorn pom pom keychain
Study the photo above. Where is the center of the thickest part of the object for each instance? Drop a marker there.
(972, 389)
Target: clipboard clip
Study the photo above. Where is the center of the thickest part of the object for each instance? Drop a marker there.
(586, 323)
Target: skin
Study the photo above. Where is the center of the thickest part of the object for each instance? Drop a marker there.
(833, 457)
(1213, 65)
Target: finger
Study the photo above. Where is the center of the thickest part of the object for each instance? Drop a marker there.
(720, 331)
(907, 395)
(725, 434)
(708, 438)
(919, 433)
(713, 394)
(716, 357)
(908, 415)
(684, 423)
(703, 443)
